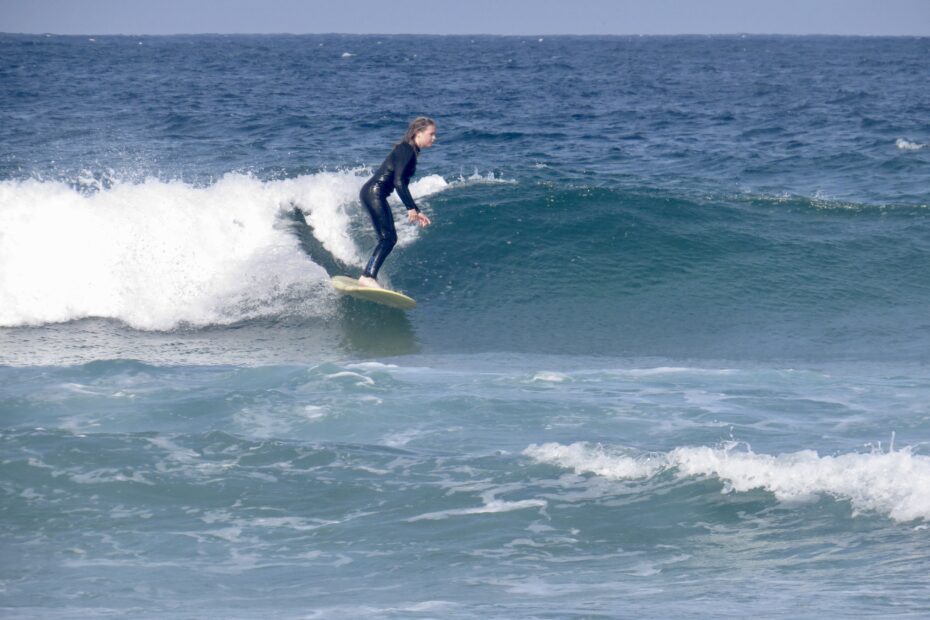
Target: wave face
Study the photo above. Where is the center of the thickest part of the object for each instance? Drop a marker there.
(607, 271)
(652, 272)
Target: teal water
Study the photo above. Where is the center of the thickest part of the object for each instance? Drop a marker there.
(669, 356)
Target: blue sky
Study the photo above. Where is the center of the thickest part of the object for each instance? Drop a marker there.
(521, 17)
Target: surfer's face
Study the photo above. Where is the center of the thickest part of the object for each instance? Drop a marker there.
(426, 137)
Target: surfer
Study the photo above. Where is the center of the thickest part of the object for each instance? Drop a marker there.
(394, 174)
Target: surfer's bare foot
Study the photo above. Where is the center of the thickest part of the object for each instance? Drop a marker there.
(368, 282)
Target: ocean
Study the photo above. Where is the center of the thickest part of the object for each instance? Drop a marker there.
(669, 359)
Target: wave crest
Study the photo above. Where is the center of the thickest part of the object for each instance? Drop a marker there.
(161, 254)
(907, 145)
(892, 483)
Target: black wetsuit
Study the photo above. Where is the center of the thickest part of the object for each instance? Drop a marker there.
(394, 174)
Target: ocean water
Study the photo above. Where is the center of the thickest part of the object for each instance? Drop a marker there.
(670, 356)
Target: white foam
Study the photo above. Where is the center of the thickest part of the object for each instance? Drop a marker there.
(894, 483)
(402, 438)
(107, 475)
(492, 506)
(550, 377)
(161, 254)
(595, 459)
(426, 186)
(677, 370)
(489, 178)
(907, 145)
(313, 413)
(357, 379)
(436, 609)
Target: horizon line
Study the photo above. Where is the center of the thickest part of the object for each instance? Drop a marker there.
(474, 34)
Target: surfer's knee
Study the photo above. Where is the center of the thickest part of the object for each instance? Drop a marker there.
(389, 239)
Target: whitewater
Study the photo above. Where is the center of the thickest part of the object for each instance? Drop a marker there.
(160, 254)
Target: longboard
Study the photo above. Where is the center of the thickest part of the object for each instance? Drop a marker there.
(383, 296)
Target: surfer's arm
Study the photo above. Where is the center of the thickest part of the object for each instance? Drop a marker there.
(414, 216)
(404, 166)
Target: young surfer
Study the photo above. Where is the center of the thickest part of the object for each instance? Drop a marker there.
(394, 174)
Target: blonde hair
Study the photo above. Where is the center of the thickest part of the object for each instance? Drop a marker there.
(417, 125)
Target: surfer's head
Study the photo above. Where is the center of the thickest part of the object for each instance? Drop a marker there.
(421, 133)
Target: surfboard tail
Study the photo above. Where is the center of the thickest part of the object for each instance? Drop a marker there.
(383, 296)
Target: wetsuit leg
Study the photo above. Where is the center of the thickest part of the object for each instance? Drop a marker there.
(383, 220)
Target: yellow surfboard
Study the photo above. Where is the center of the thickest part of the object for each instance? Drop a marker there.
(383, 296)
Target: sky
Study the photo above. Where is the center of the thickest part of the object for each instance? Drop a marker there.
(500, 17)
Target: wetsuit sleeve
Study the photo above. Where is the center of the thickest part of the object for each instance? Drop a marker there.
(405, 165)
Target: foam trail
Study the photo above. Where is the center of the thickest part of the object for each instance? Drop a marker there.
(491, 505)
(890, 483)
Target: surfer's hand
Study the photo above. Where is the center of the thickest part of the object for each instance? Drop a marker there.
(415, 217)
